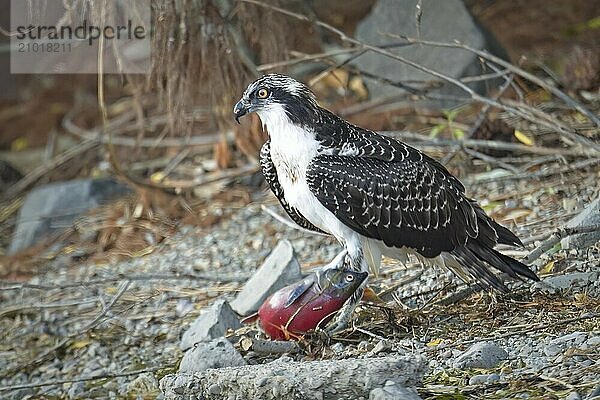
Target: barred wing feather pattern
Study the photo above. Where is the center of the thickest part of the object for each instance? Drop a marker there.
(389, 191)
(404, 204)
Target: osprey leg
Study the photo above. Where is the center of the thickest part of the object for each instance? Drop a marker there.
(337, 262)
(356, 261)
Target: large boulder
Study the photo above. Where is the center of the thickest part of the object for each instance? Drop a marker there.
(442, 21)
(51, 208)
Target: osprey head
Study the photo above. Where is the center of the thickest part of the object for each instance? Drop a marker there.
(276, 93)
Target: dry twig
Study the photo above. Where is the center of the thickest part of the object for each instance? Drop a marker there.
(145, 277)
(485, 144)
(43, 170)
(82, 379)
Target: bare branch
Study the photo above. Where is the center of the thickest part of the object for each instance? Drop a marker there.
(123, 286)
(424, 141)
(491, 160)
(483, 53)
(473, 95)
(544, 173)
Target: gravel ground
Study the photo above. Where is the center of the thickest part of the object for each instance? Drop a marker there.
(118, 333)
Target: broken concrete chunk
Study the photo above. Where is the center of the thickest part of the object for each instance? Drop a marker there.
(571, 281)
(589, 216)
(218, 353)
(327, 379)
(280, 269)
(484, 355)
(212, 323)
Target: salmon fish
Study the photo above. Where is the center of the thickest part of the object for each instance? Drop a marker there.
(295, 309)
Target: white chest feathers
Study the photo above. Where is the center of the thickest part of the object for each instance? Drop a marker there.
(292, 149)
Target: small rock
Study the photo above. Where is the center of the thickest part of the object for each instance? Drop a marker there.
(393, 391)
(478, 379)
(143, 384)
(212, 323)
(76, 390)
(483, 379)
(542, 287)
(575, 337)
(280, 269)
(484, 355)
(184, 306)
(552, 350)
(446, 354)
(337, 348)
(573, 396)
(593, 342)
(214, 389)
(217, 353)
(364, 346)
(381, 346)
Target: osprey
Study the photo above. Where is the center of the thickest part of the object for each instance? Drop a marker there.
(376, 195)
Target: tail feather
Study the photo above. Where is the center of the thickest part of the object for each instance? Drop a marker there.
(518, 267)
(505, 236)
(467, 261)
(491, 233)
(476, 259)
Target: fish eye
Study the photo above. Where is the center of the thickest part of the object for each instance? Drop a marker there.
(349, 278)
(262, 93)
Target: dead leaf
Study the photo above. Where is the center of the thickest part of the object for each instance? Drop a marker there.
(435, 342)
(78, 344)
(546, 269)
(524, 138)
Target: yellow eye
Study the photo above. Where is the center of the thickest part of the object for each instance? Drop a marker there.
(262, 94)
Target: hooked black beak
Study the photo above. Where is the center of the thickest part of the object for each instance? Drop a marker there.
(240, 109)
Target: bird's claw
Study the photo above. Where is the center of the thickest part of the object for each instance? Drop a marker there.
(341, 320)
(322, 334)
